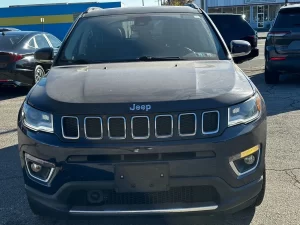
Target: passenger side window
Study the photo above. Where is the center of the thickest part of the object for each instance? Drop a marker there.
(31, 43)
(54, 41)
(41, 41)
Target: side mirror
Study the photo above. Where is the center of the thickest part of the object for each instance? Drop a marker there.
(44, 54)
(240, 48)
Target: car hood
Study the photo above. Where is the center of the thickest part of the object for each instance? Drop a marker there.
(166, 86)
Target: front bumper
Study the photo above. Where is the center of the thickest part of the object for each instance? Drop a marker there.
(227, 191)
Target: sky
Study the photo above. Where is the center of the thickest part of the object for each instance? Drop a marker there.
(126, 2)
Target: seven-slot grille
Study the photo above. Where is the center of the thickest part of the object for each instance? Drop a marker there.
(141, 127)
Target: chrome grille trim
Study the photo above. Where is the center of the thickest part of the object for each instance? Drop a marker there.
(137, 137)
(195, 131)
(116, 117)
(85, 133)
(218, 128)
(62, 128)
(172, 126)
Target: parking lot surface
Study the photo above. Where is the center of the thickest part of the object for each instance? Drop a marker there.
(281, 204)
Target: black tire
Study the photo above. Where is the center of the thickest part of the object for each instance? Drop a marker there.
(39, 73)
(271, 77)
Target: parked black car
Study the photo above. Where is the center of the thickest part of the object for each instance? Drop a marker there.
(235, 27)
(282, 46)
(143, 112)
(17, 63)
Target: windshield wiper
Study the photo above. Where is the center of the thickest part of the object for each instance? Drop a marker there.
(150, 58)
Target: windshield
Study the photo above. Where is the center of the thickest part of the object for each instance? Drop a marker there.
(141, 37)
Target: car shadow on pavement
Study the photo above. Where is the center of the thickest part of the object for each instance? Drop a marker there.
(282, 97)
(12, 92)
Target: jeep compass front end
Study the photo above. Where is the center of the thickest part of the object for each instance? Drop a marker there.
(143, 112)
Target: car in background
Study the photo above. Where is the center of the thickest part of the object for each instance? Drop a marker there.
(282, 47)
(4, 29)
(17, 63)
(235, 27)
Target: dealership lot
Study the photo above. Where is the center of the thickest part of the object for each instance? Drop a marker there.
(281, 205)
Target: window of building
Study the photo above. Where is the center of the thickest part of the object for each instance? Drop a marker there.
(229, 10)
(240, 10)
(247, 13)
(266, 13)
(214, 10)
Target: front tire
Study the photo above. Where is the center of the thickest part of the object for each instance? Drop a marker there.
(39, 73)
(271, 77)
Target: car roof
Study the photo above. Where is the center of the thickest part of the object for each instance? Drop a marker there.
(141, 10)
(9, 28)
(290, 6)
(23, 32)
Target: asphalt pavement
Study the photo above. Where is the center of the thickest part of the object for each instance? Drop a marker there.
(281, 205)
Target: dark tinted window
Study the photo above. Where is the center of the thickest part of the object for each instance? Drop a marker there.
(231, 24)
(41, 41)
(129, 37)
(9, 40)
(288, 18)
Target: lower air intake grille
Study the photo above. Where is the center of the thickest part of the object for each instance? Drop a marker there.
(70, 127)
(210, 122)
(193, 194)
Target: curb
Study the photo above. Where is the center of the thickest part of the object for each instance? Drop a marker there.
(262, 38)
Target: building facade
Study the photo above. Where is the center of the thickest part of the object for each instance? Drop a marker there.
(52, 18)
(259, 13)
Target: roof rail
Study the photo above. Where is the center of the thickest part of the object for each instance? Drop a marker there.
(192, 5)
(90, 9)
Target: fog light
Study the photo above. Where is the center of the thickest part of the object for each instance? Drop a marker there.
(36, 168)
(39, 169)
(249, 160)
(246, 161)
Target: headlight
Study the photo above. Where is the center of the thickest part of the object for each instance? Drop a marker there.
(37, 120)
(245, 112)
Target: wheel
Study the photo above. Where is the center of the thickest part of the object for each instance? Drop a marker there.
(271, 77)
(39, 73)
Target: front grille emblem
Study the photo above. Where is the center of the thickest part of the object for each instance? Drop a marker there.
(135, 107)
